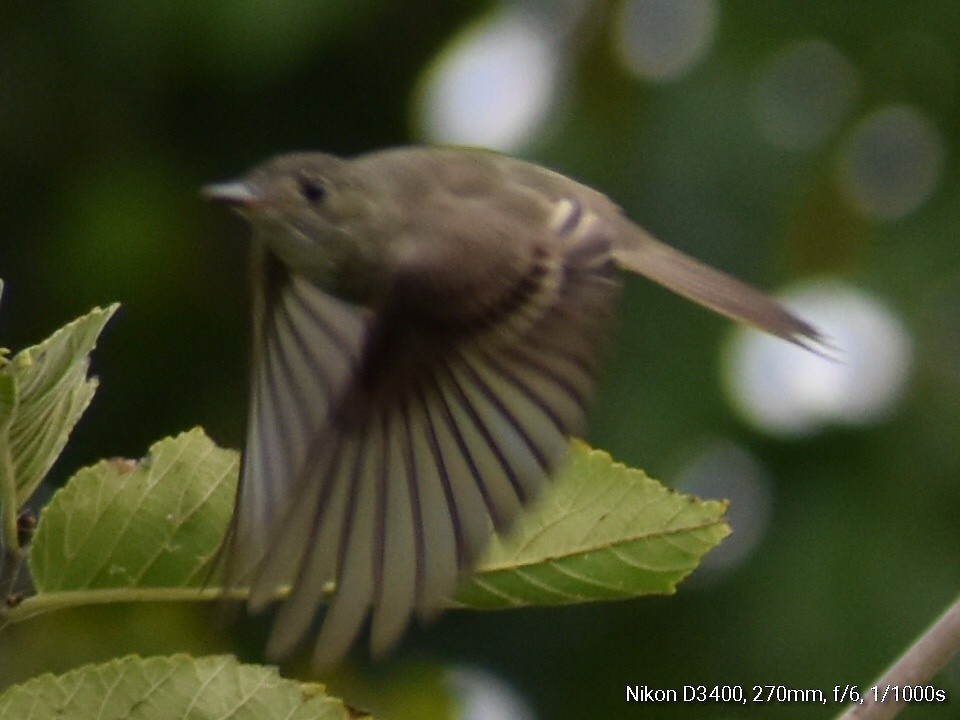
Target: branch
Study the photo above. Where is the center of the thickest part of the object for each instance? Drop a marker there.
(12, 553)
(49, 602)
(917, 666)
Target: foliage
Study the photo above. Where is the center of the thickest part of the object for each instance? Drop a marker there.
(844, 542)
(212, 688)
(148, 530)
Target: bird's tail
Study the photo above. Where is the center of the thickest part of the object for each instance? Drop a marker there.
(714, 290)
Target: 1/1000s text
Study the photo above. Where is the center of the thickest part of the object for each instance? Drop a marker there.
(743, 694)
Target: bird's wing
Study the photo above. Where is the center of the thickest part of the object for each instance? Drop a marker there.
(469, 434)
(306, 348)
(384, 449)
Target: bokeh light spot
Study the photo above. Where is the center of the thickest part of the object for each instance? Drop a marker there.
(660, 40)
(492, 86)
(892, 163)
(803, 93)
(481, 695)
(727, 471)
(784, 390)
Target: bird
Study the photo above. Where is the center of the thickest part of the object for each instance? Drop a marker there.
(428, 326)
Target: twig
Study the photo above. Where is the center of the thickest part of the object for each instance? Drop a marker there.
(12, 553)
(9, 569)
(917, 666)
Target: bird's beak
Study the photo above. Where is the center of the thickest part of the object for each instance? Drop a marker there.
(236, 194)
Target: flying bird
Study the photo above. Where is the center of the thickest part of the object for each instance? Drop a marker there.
(428, 324)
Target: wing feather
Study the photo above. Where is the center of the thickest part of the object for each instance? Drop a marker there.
(306, 345)
(495, 478)
(320, 538)
(293, 539)
(355, 551)
(396, 560)
(465, 492)
(438, 524)
(391, 490)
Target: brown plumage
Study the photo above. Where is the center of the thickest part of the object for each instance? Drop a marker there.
(428, 324)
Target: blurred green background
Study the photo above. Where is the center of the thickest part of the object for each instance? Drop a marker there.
(779, 141)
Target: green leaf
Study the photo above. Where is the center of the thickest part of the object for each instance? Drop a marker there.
(50, 391)
(209, 688)
(600, 531)
(124, 524)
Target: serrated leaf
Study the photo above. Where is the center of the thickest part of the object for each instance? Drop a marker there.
(124, 524)
(209, 688)
(601, 531)
(51, 392)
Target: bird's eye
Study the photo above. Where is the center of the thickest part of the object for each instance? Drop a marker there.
(311, 189)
